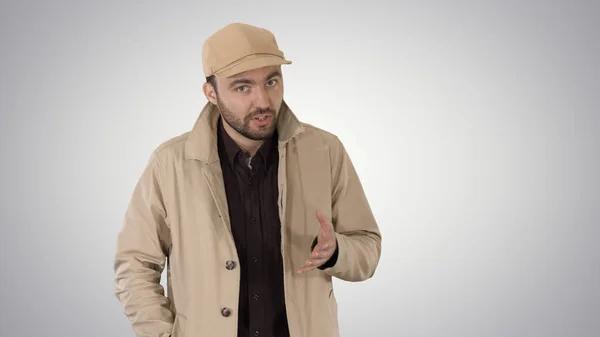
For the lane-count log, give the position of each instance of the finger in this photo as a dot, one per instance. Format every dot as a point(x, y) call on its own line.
point(305, 270)
point(315, 262)
point(323, 252)
point(326, 225)
point(318, 261)
point(321, 217)
point(306, 267)
point(325, 243)
point(325, 237)
point(325, 234)
point(321, 246)
point(311, 265)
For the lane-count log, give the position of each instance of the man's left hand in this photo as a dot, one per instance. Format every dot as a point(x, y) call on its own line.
point(326, 245)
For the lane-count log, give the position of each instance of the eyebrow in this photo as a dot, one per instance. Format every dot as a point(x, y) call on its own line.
point(248, 81)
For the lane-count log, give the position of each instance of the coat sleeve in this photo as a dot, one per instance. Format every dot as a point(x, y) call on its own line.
point(142, 245)
point(357, 233)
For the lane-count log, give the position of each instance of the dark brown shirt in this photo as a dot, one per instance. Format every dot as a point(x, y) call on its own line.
point(252, 200)
point(251, 188)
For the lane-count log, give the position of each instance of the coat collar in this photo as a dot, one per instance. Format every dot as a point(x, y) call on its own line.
point(202, 142)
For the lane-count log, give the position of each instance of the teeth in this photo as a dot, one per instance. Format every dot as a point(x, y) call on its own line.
point(261, 118)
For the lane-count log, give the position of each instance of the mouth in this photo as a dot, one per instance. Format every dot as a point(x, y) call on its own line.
point(262, 117)
point(262, 120)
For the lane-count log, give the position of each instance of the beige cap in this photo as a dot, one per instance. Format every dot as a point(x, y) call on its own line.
point(240, 47)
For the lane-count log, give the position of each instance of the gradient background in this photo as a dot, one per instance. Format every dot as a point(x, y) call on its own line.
point(475, 128)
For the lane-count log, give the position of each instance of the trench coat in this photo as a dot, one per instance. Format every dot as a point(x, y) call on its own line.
point(177, 218)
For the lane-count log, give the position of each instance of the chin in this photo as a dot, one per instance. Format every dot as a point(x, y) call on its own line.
point(262, 135)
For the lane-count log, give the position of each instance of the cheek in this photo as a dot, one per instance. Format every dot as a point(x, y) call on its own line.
point(276, 97)
point(238, 107)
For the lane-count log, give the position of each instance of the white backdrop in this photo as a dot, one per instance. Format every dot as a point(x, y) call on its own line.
point(474, 127)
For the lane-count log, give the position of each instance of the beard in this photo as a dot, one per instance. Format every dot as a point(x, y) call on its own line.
point(243, 126)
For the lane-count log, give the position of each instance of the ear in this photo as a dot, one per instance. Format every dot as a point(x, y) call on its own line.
point(210, 93)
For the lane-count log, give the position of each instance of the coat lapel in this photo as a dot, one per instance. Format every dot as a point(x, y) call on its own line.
point(214, 179)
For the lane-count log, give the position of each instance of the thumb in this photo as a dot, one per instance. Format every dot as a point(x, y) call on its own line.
point(325, 224)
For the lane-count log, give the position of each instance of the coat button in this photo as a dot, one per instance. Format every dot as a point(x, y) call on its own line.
point(226, 312)
point(230, 265)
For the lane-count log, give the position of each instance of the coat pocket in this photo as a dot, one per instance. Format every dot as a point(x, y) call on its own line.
point(179, 326)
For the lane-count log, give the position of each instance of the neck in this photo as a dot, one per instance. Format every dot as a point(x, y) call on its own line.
point(249, 146)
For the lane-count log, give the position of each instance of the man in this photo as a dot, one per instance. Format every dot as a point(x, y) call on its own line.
point(253, 210)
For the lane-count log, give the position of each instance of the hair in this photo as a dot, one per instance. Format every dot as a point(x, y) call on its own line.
point(213, 81)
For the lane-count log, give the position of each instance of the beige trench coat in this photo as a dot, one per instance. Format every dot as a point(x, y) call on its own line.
point(178, 219)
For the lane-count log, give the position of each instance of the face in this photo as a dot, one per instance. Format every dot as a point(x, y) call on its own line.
point(249, 102)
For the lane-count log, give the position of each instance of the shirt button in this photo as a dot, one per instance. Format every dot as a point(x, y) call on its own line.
point(256, 333)
point(226, 312)
point(255, 297)
point(230, 265)
point(254, 259)
point(252, 221)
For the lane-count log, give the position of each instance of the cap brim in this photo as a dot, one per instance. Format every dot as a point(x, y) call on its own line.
point(251, 63)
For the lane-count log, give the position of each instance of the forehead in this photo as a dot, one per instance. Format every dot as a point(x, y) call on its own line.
point(259, 74)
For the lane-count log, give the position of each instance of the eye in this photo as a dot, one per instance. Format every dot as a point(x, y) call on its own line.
point(271, 83)
point(241, 88)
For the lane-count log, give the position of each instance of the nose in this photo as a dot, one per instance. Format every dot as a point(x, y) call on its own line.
point(262, 99)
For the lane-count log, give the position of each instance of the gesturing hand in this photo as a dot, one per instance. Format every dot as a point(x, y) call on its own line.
point(326, 245)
